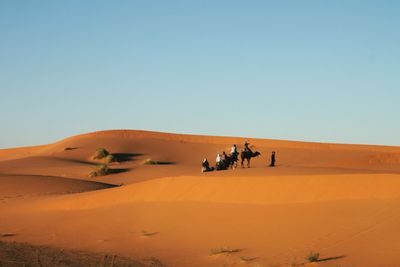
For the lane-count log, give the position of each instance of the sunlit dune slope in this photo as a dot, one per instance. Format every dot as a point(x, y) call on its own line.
point(72, 157)
point(245, 190)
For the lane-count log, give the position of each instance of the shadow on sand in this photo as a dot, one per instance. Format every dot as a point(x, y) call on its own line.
point(81, 161)
point(121, 170)
point(122, 157)
point(332, 258)
point(323, 259)
point(165, 163)
point(69, 148)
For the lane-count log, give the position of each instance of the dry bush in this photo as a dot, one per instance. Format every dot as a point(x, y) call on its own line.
point(23, 254)
point(101, 153)
point(103, 156)
point(99, 171)
point(312, 257)
point(150, 161)
point(110, 158)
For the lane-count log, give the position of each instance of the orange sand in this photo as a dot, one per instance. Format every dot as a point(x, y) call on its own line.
point(338, 200)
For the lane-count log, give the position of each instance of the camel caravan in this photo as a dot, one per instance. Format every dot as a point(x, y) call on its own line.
point(225, 162)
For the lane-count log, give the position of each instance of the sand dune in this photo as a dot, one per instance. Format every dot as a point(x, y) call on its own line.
point(28, 186)
point(339, 200)
point(257, 190)
point(11, 153)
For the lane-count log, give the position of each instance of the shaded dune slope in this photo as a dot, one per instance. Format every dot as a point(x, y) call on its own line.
point(20, 186)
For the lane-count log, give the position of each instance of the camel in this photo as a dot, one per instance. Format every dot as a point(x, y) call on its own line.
point(230, 162)
point(247, 155)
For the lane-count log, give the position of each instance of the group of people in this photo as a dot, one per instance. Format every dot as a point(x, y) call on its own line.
point(223, 161)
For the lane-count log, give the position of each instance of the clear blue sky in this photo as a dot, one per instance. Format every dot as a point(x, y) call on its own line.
point(299, 70)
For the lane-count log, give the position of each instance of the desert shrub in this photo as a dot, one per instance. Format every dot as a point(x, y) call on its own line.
point(99, 171)
point(23, 254)
point(110, 158)
point(104, 156)
point(154, 162)
point(101, 153)
point(150, 162)
point(313, 257)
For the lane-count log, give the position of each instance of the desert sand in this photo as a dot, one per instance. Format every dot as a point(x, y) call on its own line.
point(341, 201)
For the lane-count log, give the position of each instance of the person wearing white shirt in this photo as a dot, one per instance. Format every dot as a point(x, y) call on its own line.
point(218, 159)
point(234, 150)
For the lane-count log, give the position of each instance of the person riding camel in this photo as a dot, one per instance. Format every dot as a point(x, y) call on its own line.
point(234, 151)
point(206, 166)
point(218, 160)
point(224, 158)
point(247, 148)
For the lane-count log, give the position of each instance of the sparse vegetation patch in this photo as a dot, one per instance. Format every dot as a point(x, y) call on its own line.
point(154, 162)
point(101, 153)
point(110, 158)
point(23, 254)
point(150, 162)
point(100, 171)
point(312, 257)
point(154, 262)
point(103, 156)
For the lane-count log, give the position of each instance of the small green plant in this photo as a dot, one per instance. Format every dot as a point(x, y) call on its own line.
point(223, 250)
point(104, 156)
point(100, 171)
point(150, 162)
point(101, 153)
point(313, 257)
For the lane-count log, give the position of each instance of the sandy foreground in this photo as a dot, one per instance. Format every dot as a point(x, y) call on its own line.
point(341, 201)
